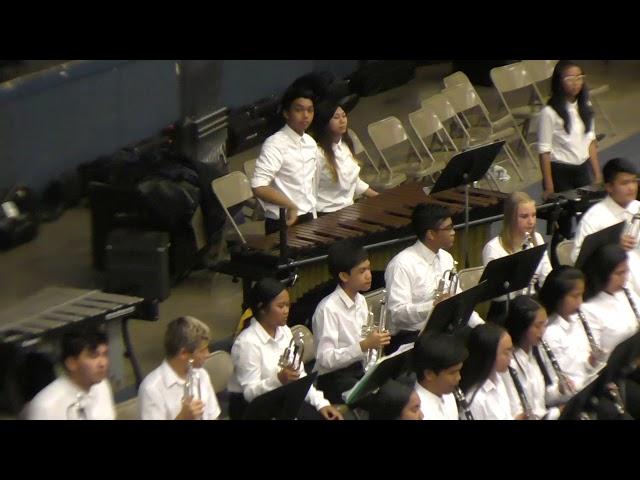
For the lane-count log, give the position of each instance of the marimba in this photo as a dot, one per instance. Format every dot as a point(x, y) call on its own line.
point(373, 221)
point(39, 320)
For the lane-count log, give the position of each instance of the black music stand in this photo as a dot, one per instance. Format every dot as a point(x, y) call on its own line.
point(513, 272)
point(453, 313)
point(463, 169)
point(389, 367)
point(283, 403)
point(598, 239)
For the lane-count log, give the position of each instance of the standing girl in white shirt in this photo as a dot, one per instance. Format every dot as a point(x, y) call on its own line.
point(490, 352)
point(257, 350)
point(338, 172)
point(568, 335)
point(518, 232)
point(610, 308)
point(566, 136)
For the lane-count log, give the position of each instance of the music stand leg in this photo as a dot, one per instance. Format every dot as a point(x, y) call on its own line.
point(465, 244)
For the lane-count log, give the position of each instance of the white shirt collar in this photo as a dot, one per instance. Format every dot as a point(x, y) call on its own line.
point(430, 395)
point(262, 333)
point(426, 252)
point(75, 389)
point(490, 385)
point(169, 376)
point(615, 208)
point(291, 133)
point(348, 303)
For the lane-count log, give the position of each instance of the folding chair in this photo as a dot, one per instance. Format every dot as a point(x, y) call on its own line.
point(563, 252)
point(257, 213)
point(220, 368)
point(469, 277)
point(379, 183)
point(388, 133)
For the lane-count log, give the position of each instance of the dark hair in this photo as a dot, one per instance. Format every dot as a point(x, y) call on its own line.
point(557, 286)
point(345, 255)
point(261, 295)
point(75, 340)
point(323, 114)
point(437, 353)
point(293, 92)
point(428, 216)
point(599, 267)
point(615, 166)
point(483, 349)
point(391, 399)
point(558, 100)
point(522, 314)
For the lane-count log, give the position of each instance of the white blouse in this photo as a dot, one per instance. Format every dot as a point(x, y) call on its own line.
point(491, 402)
point(335, 195)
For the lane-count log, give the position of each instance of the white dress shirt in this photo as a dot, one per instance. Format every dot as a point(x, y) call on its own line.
point(337, 328)
point(161, 392)
point(532, 380)
point(494, 249)
point(611, 318)
point(571, 148)
point(287, 162)
point(491, 402)
point(569, 343)
point(255, 356)
point(434, 407)
point(61, 398)
point(334, 195)
point(411, 280)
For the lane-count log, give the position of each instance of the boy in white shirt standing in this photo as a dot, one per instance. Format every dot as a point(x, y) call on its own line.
point(83, 392)
point(162, 392)
point(338, 320)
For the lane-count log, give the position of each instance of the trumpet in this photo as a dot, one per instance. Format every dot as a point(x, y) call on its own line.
point(448, 283)
point(292, 356)
point(526, 406)
point(563, 381)
point(633, 228)
point(596, 351)
point(375, 354)
point(462, 403)
point(192, 383)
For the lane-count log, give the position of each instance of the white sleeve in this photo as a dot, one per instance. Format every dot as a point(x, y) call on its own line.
point(267, 165)
point(211, 407)
point(405, 315)
point(247, 364)
point(491, 252)
point(326, 332)
point(545, 130)
point(361, 186)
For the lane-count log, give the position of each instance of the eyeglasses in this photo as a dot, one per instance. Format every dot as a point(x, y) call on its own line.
point(574, 78)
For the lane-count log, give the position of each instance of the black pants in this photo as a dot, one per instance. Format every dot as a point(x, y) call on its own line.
point(272, 226)
point(238, 406)
point(400, 338)
point(569, 177)
point(333, 384)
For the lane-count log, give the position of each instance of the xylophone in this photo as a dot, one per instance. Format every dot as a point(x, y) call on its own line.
point(373, 221)
point(39, 320)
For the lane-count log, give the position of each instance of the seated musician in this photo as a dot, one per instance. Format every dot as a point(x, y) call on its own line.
point(338, 172)
point(286, 168)
point(162, 393)
point(490, 351)
point(83, 391)
point(621, 184)
point(396, 401)
point(412, 276)
point(437, 361)
point(518, 232)
point(610, 308)
point(338, 322)
point(526, 324)
point(567, 334)
point(256, 354)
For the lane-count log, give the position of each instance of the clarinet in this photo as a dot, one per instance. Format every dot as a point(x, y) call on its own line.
point(462, 402)
point(563, 381)
point(596, 351)
point(523, 397)
point(632, 304)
